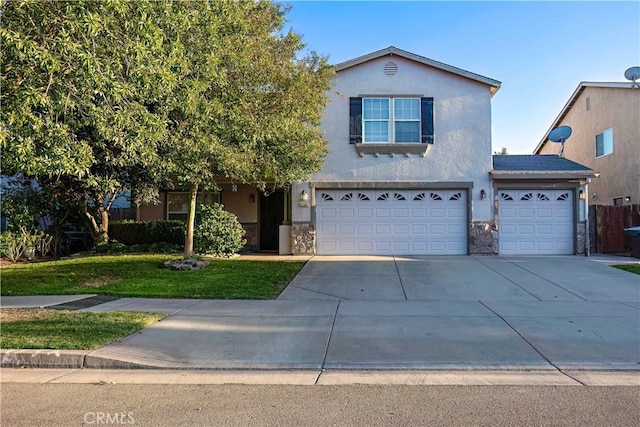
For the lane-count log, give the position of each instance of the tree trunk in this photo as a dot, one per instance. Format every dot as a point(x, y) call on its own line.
point(191, 219)
point(103, 235)
point(99, 231)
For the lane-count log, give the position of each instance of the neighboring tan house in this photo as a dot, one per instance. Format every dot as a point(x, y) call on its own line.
point(605, 120)
point(410, 171)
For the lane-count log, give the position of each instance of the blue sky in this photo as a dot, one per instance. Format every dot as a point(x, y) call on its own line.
point(539, 50)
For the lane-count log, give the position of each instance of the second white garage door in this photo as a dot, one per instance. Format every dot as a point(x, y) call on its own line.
point(536, 222)
point(386, 222)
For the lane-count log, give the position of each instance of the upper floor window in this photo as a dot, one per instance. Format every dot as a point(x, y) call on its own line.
point(604, 143)
point(391, 120)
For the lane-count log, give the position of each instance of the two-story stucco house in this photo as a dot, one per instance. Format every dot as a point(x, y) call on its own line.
point(605, 137)
point(410, 172)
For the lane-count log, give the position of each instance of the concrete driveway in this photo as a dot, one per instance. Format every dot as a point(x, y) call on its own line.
point(556, 314)
point(549, 313)
point(465, 278)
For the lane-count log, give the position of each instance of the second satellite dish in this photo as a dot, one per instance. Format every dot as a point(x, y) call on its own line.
point(560, 134)
point(633, 74)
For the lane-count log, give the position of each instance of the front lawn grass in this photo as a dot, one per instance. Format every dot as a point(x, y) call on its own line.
point(68, 330)
point(141, 276)
point(633, 268)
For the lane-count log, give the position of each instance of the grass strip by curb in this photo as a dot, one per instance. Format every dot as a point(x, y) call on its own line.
point(68, 330)
point(632, 268)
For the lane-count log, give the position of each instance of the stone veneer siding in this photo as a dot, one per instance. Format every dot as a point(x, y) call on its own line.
point(580, 236)
point(303, 239)
point(483, 238)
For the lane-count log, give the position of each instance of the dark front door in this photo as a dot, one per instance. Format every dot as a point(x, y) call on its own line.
point(271, 217)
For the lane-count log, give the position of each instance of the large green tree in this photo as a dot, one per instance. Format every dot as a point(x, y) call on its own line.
point(79, 85)
point(248, 103)
point(103, 97)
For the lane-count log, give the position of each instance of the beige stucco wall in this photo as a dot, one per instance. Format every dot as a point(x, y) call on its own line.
point(462, 122)
point(616, 108)
point(238, 203)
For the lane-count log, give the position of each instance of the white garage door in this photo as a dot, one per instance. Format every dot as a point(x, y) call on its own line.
point(401, 222)
point(536, 222)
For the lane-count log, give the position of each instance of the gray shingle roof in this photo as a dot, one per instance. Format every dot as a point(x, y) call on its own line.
point(538, 163)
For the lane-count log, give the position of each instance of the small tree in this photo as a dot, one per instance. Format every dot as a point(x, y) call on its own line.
point(246, 105)
point(218, 232)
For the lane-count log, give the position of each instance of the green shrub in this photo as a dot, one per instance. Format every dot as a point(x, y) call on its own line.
point(129, 232)
point(218, 232)
point(113, 247)
point(28, 244)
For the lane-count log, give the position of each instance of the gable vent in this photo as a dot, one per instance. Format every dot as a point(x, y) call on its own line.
point(390, 68)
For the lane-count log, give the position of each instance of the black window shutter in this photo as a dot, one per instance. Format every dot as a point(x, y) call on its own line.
point(426, 120)
point(355, 120)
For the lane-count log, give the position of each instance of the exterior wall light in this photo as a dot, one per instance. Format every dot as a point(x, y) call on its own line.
point(234, 188)
point(581, 194)
point(304, 199)
point(627, 199)
point(483, 194)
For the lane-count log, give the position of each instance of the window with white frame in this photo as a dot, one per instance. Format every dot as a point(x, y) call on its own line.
point(178, 203)
point(388, 120)
point(604, 143)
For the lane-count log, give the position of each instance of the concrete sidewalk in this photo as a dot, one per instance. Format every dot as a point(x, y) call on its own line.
point(41, 301)
point(325, 377)
point(376, 318)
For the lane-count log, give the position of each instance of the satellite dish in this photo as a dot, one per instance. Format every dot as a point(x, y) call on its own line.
point(560, 134)
point(633, 74)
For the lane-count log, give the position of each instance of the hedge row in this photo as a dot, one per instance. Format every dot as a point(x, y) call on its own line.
point(131, 232)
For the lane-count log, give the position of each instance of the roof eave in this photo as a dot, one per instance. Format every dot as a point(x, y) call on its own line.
point(535, 174)
point(391, 50)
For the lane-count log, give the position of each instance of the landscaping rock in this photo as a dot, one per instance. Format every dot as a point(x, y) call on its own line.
point(185, 264)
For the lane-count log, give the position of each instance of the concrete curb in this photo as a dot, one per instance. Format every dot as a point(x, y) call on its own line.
point(80, 366)
point(322, 378)
point(43, 358)
point(70, 359)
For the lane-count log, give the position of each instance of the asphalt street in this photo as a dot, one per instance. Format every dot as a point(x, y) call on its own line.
point(356, 405)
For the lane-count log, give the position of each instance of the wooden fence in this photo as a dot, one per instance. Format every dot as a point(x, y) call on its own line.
point(607, 227)
point(118, 214)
